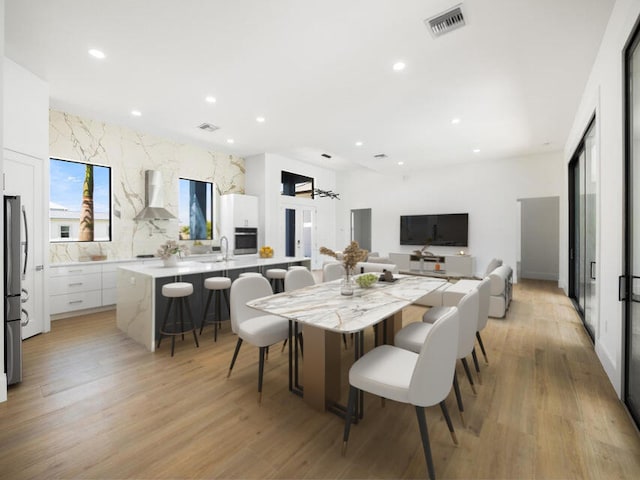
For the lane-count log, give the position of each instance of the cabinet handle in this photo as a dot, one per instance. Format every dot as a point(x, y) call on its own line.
point(75, 301)
point(75, 284)
point(74, 271)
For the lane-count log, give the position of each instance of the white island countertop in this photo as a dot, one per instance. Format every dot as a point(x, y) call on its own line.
point(156, 269)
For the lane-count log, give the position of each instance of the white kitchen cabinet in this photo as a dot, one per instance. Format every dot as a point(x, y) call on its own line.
point(238, 211)
point(81, 287)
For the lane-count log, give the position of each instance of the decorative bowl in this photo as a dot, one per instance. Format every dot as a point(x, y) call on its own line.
point(366, 280)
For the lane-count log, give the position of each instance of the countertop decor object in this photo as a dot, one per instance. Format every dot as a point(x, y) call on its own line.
point(171, 248)
point(266, 252)
point(350, 258)
point(366, 280)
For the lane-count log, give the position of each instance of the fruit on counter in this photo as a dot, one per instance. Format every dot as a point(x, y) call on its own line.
point(266, 251)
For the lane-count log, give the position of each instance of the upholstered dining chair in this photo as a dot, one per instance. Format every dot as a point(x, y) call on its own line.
point(251, 325)
point(413, 335)
point(484, 289)
point(293, 280)
point(332, 271)
point(421, 379)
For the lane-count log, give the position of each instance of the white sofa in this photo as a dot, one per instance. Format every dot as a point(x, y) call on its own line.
point(450, 294)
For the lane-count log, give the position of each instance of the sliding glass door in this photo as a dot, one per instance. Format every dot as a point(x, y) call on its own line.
point(630, 281)
point(583, 175)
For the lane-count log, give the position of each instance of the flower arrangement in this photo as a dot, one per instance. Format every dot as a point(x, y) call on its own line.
point(350, 256)
point(171, 247)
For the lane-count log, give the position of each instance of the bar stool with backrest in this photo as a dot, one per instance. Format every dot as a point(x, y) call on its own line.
point(177, 293)
point(217, 287)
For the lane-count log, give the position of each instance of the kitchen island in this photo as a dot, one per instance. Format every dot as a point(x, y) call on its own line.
point(140, 304)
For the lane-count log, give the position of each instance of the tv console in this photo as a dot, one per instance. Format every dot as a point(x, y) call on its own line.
point(449, 265)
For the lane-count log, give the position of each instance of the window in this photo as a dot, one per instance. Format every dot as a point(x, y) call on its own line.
point(79, 202)
point(195, 210)
point(295, 185)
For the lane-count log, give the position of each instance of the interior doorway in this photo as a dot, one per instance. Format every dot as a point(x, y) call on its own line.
point(300, 232)
point(539, 238)
point(361, 227)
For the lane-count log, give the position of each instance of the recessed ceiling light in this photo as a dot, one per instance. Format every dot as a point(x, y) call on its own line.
point(136, 113)
point(210, 99)
point(358, 144)
point(260, 119)
point(229, 140)
point(96, 53)
point(455, 121)
point(399, 66)
point(476, 150)
point(400, 163)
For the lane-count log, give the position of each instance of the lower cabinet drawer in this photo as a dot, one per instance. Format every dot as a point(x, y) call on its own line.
point(75, 301)
point(74, 284)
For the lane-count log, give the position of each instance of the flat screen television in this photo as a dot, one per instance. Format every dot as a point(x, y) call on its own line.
point(450, 230)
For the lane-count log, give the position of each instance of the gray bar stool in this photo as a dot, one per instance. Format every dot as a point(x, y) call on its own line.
point(178, 291)
point(276, 277)
point(216, 286)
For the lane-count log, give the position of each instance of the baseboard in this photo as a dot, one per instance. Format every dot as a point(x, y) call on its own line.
point(3, 387)
point(609, 367)
point(539, 275)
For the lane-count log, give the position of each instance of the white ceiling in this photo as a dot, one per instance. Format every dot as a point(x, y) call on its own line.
point(320, 72)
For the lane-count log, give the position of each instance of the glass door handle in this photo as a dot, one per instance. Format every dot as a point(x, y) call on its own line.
point(591, 274)
point(622, 288)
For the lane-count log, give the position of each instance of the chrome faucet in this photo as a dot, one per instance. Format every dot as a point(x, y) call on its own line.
point(225, 255)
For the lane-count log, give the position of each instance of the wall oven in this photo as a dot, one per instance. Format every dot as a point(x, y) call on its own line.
point(245, 240)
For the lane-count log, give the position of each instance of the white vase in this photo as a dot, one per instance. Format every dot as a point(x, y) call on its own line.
point(171, 261)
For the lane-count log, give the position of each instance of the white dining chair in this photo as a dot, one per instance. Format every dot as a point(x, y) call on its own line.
point(294, 280)
point(421, 379)
point(484, 289)
point(413, 335)
point(251, 325)
point(332, 271)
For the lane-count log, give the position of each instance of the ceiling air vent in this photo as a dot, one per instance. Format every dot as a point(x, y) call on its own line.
point(325, 155)
point(446, 22)
point(208, 127)
point(380, 155)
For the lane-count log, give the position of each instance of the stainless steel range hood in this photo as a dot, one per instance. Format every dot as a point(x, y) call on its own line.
point(154, 198)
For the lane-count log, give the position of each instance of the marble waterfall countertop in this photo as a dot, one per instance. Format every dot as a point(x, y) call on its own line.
point(156, 268)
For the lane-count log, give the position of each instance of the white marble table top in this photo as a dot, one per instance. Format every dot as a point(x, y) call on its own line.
point(323, 306)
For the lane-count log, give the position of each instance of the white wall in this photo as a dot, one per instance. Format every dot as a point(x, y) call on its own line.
point(487, 190)
point(604, 95)
point(263, 179)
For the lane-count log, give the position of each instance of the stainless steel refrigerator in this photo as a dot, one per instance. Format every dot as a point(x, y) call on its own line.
point(13, 255)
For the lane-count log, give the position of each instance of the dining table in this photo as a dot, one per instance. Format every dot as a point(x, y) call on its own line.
point(326, 316)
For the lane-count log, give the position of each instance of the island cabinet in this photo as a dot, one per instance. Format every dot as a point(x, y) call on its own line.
point(141, 307)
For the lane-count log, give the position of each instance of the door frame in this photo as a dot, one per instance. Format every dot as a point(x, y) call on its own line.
point(573, 163)
point(624, 291)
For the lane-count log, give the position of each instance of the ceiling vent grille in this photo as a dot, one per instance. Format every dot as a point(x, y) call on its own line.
point(208, 127)
point(446, 22)
point(325, 155)
point(380, 155)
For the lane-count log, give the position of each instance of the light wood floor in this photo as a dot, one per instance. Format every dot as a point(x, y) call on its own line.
point(94, 404)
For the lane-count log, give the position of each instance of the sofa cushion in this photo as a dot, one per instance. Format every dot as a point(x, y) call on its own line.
point(499, 277)
point(493, 264)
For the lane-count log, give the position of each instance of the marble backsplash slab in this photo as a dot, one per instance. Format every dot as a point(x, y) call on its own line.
point(129, 153)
